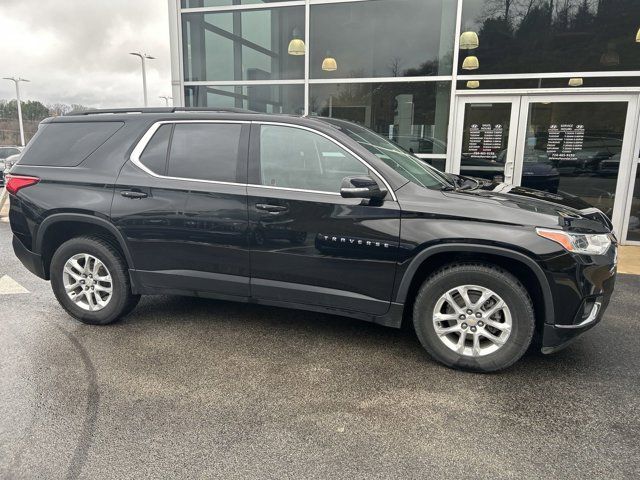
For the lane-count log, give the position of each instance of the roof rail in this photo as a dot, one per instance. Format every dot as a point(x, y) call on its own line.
point(99, 111)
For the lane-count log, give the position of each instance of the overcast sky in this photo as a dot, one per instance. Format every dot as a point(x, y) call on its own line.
point(77, 51)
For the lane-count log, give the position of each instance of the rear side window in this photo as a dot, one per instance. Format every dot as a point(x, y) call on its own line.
point(205, 151)
point(67, 144)
point(154, 156)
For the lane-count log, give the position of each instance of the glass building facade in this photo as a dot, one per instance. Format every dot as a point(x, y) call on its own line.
point(539, 93)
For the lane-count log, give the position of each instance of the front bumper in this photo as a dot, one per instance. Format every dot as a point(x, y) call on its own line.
point(556, 337)
point(31, 260)
point(582, 294)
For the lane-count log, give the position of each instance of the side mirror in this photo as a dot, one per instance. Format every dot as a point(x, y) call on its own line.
point(361, 187)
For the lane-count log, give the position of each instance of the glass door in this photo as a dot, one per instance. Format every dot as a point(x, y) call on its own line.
point(485, 137)
point(580, 145)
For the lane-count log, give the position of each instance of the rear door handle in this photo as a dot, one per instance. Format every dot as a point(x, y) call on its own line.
point(273, 209)
point(133, 194)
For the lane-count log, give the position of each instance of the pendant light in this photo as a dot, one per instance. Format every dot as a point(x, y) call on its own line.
point(575, 82)
point(296, 45)
point(638, 36)
point(471, 63)
point(469, 41)
point(473, 84)
point(329, 63)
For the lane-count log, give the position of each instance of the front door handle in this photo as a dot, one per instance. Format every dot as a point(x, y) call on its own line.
point(272, 209)
point(133, 194)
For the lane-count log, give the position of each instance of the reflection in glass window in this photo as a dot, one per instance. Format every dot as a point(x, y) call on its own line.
point(287, 99)
point(205, 151)
point(379, 38)
point(537, 36)
point(414, 115)
point(485, 137)
point(154, 156)
point(407, 165)
point(296, 158)
point(243, 44)
point(575, 148)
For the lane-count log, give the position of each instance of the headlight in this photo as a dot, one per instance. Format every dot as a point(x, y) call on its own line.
point(587, 244)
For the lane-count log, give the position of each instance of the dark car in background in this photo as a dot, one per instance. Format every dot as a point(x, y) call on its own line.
point(310, 213)
point(5, 153)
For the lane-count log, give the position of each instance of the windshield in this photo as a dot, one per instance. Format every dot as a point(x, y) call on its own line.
point(403, 162)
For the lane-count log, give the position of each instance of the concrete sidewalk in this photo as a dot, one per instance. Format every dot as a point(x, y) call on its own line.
point(629, 260)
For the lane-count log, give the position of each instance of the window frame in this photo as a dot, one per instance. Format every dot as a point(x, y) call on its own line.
point(146, 138)
point(166, 153)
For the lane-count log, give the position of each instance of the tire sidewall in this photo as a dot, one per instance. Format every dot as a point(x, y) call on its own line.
point(515, 297)
point(120, 287)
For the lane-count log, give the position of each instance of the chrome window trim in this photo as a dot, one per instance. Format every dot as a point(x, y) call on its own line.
point(303, 190)
point(142, 144)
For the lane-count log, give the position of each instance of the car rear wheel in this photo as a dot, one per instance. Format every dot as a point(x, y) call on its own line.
point(90, 279)
point(474, 317)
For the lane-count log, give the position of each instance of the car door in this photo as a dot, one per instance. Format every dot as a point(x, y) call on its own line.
point(182, 204)
point(309, 245)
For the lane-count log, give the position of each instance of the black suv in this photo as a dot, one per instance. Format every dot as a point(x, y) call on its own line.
point(312, 213)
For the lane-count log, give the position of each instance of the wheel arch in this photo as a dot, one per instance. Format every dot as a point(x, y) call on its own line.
point(519, 264)
point(59, 227)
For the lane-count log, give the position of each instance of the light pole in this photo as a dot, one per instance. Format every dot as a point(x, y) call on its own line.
point(166, 99)
point(17, 82)
point(143, 57)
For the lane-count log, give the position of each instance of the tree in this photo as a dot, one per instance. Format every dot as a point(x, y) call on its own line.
point(34, 110)
point(58, 109)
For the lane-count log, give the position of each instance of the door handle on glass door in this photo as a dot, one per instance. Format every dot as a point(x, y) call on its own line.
point(508, 169)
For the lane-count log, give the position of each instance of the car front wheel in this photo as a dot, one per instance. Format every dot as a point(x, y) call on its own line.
point(474, 317)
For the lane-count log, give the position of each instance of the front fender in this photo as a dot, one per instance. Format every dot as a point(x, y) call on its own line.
point(405, 282)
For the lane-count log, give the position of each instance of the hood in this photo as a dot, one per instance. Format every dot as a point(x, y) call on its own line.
point(562, 209)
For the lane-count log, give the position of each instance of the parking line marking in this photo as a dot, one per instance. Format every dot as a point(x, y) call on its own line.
point(8, 286)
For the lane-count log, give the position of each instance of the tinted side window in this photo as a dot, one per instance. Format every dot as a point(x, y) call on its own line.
point(205, 151)
point(67, 144)
point(295, 158)
point(154, 156)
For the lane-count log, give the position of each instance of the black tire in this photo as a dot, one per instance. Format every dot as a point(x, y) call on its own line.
point(494, 278)
point(122, 300)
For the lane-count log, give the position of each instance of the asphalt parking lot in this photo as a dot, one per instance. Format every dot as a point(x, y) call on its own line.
point(193, 388)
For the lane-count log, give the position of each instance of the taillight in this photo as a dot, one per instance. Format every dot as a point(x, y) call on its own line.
point(15, 183)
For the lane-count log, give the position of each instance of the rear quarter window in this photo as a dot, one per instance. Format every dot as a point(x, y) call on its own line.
point(67, 144)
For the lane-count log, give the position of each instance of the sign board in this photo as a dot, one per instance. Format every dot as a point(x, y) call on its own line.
point(485, 141)
point(564, 141)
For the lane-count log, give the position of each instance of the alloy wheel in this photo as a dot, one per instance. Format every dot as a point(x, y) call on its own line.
point(87, 282)
point(472, 320)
